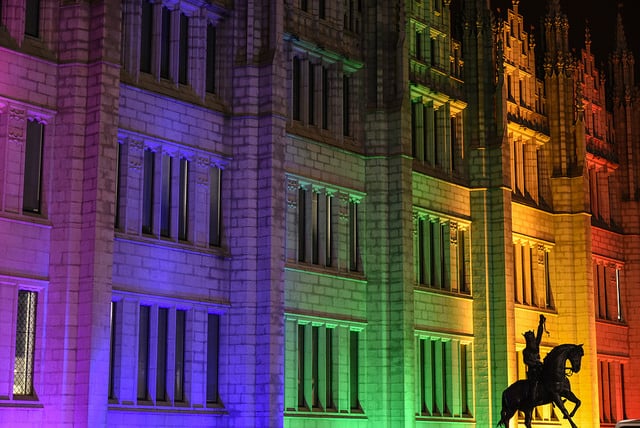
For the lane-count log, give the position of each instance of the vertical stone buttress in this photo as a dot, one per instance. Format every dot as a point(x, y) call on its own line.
point(390, 327)
point(626, 119)
point(572, 283)
point(82, 212)
point(485, 132)
point(258, 197)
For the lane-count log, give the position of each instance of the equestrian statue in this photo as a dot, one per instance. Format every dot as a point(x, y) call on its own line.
point(547, 381)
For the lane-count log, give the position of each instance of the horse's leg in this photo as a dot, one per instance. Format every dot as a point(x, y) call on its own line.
point(557, 400)
point(527, 417)
point(569, 395)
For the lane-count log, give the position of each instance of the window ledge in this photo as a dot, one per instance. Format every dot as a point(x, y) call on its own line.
point(172, 244)
point(28, 403)
point(177, 408)
point(326, 271)
point(324, 414)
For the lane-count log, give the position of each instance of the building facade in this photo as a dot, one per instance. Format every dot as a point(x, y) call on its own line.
point(310, 213)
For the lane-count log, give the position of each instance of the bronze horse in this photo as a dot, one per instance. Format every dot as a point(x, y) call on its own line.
point(553, 387)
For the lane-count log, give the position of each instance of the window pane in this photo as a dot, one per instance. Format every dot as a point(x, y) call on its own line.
point(329, 368)
point(119, 171)
point(184, 49)
point(353, 236)
point(33, 167)
point(212, 358)
point(147, 190)
point(296, 85)
point(112, 349)
point(25, 343)
point(180, 333)
point(145, 36)
point(215, 176)
point(302, 221)
point(165, 43)
point(346, 105)
point(354, 387)
point(32, 18)
point(183, 200)
point(143, 353)
point(301, 366)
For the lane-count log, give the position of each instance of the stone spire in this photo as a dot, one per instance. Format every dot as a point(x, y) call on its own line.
point(621, 40)
point(587, 36)
point(554, 8)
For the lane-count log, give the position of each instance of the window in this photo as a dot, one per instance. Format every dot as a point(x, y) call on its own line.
point(146, 28)
point(531, 274)
point(346, 105)
point(444, 377)
point(181, 316)
point(524, 166)
point(442, 254)
point(436, 134)
point(161, 355)
point(211, 59)
point(32, 18)
point(157, 194)
point(165, 43)
point(215, 202)
point(143, 354)
point(23, 370)
point(33, 167)
point(183, 200)
point(323, 372)
point(149, 160)
point(112, 349)
point(352, 15)
point(296, 89)
point(611, 391)
point(119, 182)
point(213, 322)
point(607, 280)
point(183, 50)
point(354, 370)
point(176, 350)
point(354, 237)
point(314, 226)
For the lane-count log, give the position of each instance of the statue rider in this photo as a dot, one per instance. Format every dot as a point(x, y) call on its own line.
point(531, 356)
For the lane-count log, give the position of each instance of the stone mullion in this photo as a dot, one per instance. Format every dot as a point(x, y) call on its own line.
point(291, 364)
point(455, 378)
point(127, 329)
point(171, 356)
point(291, 223)
point(195, 357)
point(174, 185)
point(131, 29)
point(174, 45)
point(343, 233)
point(201, 192)
point(14, 159)
point(341, 343)
point(132, 186)
point(196, 57)
point(416, 247)
point(322, 368)
point(156, 35)
point(453, 257)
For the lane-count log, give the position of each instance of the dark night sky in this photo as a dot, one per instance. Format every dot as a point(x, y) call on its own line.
point(602, 17)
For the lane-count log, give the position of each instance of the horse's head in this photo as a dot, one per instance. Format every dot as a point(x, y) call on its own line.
point(575, 357)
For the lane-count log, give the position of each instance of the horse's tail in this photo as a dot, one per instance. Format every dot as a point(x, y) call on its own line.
point(507, 412)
